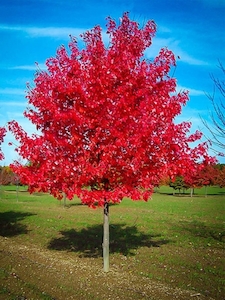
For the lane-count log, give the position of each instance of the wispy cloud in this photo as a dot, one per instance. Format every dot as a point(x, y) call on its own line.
point(38, 32)
point(192, 92)
point(13, 103)
point(15, 115)
point(193, 116)
point(12, 91)
point(185, 57)
point(54, 32)
point(173, 45)
point(65, 32)
point(35, 67)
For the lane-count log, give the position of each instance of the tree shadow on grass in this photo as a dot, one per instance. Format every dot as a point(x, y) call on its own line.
point(70, 203)
point(88, 241)
point(202, 230)
point(221, 193)
point(10, 223)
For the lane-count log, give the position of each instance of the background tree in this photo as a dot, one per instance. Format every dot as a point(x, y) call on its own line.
point(6, 175)
point(178, 183)
point(207, 176)
point(191, 179)
point(106, 121)
point(220, 179)
point(204, 174)
point(217, 128)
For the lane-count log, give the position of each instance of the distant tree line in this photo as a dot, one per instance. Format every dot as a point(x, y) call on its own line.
point(204, 176)
point(8, 177)
point(207, 175)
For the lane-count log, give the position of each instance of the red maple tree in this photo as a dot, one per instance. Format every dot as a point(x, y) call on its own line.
point(220, 180)
point(204, 174)
point(105, 117)
point(2, 135)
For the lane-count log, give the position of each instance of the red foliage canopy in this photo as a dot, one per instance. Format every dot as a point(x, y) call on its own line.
point(220, 180)
point(2, 134)
point(106, 117)
point(204, 174)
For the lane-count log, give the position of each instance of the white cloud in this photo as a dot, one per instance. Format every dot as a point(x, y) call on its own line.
point(12, 91)
point(13, 103)
point(34, 67)
point(9, 151)
point(54, 32)
point(173, 45)
point(12, 115)
point(192, 92)
point(194, 119)
point(65, 32)
point(185, 57)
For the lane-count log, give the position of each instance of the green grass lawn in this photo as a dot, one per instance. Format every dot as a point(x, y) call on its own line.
point(178, 240)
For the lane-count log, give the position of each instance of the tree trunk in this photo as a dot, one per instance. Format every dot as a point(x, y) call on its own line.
point(105, 244)
point(64, 200)
point(206, 191)
point(17, 192)
point(192, 190)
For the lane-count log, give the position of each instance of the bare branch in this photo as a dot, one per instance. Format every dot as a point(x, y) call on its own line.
point(217, 116)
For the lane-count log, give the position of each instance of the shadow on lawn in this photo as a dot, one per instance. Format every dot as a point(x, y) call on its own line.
point(202, 230)
point(88, 241)
point(10, 223)
point(221, 193)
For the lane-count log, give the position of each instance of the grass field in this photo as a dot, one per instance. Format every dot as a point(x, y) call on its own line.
point(173, 240)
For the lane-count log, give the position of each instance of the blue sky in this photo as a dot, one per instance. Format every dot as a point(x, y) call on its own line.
point(32, 30)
